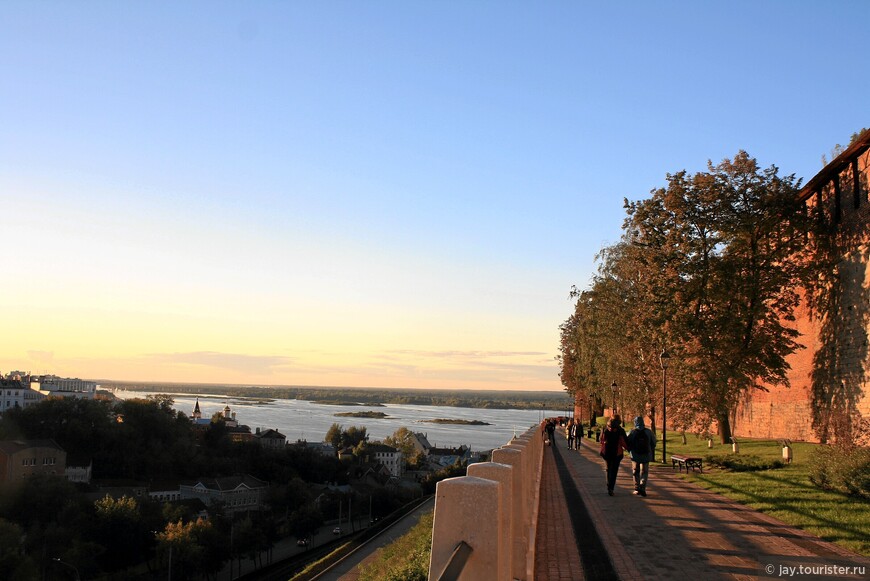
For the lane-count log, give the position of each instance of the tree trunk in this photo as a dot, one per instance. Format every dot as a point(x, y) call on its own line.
point(724, 427)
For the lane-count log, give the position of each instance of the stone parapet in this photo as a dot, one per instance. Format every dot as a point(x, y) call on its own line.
point(494, 511)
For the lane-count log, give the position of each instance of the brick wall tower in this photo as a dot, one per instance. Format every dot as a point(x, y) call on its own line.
point(829, 397)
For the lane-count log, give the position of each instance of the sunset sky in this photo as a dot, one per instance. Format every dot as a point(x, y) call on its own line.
point(395, 194)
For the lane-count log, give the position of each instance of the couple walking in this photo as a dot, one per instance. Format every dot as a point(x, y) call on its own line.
point(640, 444)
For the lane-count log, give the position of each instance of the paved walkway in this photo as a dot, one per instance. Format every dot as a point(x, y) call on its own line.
point(679, 531)
point(561, 560)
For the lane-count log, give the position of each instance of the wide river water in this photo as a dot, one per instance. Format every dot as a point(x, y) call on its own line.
point(303, 420)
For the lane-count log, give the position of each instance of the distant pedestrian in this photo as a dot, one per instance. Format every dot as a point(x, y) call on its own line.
point(551, 431)
point(641, 445)
point(613, 442)
point(578, 435)
point(569, 433)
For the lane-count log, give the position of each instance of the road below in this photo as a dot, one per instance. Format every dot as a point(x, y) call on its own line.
point(348, 569)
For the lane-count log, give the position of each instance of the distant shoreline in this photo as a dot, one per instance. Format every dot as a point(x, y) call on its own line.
point(339, 402)
point(457, 422)
point(357, 396)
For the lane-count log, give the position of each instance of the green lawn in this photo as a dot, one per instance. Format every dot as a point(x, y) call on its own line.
point(784, 493)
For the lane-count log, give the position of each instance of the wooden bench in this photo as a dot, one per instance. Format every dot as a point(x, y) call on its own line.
point(692, 462)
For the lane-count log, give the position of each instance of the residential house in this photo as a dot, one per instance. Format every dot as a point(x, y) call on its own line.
point(270, 439)
point(420, 441)
point(20, 459)
point(322, 448)
point(235, 493)
point(16, 393)
point(390, 457)
point(443, 457)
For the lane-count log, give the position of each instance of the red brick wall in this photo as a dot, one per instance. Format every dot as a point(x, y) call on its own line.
point(787, 412)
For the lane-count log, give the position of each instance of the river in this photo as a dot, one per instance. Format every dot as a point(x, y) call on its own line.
point(303, 420)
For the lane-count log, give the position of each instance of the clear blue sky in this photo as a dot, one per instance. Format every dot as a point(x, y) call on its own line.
point(369, 193)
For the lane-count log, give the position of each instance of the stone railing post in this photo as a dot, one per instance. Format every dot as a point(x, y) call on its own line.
point(503, 474)
point(536, 449)
point(467, 509)
point(519, 531)
point(494, 511)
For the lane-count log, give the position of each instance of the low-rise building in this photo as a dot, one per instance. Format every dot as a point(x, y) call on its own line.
point(420, 441)
point(79, 471)
point(17, 393)
point(271, 439)
point(235, 493)
point(390, 457)
point(118, 489)
point(164, 491)
point(54, 386)
point(443, 457)
point(322, 448)
point(20, 459)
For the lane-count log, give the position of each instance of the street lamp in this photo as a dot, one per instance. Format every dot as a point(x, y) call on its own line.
point(73, 567)
point(613, 388)
point(664, 358)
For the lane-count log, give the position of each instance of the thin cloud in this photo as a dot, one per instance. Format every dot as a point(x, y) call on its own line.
point(254, 364)
point(466, 354)
point(40, 356)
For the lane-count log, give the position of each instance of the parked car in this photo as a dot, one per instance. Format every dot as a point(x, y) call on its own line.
point(336, 531)
point(302, 543)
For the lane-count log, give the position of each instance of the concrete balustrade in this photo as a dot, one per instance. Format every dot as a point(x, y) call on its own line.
point(503, 474)
point(519, 531)
point(494, 509)
point(467, 509)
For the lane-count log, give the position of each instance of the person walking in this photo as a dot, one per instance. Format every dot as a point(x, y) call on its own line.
point(569, 433)
point(551, 431)
point(613, 442)
point(641, 447)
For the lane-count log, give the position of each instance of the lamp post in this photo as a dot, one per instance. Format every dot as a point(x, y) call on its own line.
point(664, 358)
point(613, 388)
point(73, 567)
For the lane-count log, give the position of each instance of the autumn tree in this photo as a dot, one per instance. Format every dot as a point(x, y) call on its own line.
point(403, 439)
point(119, 529)
point(724, 246)
point(195, 547)
point(333, 435)
point(708, 267)
point(349, 438)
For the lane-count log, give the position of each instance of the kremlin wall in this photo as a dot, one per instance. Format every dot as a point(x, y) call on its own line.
point(829, 377)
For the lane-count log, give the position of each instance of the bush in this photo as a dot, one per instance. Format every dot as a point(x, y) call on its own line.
point(842, 469)
point(743, 463)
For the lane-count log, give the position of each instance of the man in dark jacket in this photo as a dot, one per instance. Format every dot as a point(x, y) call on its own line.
point(641, 448)
point(612, 444)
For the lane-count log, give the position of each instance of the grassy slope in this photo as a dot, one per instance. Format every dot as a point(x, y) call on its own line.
point(406, 558)
point(785, 493)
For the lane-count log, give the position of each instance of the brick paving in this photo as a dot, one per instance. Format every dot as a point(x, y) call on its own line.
point(557, 557)
point(678, 531)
